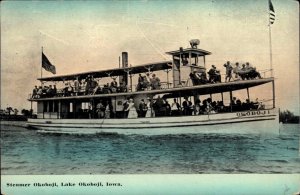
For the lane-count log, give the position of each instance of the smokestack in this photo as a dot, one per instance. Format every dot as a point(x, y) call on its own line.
point(124, 77)
point(124, 59)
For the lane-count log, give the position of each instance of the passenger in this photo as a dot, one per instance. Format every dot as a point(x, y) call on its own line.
point(88, 82)
point(49, 91)
point(76, 87)
point(97, 89)
point(252, 72)
point(100, 110)
point(218, 77)
point(131, 109)
point(40, 92)
point(233, 104)
point(175, 108)
point(123, 87)
point(155, 82)
point(108, 109)
point(185, 61)
point(255, 104)
point(214, 75)
point(147, 81)
point(44, 91)
point(239, 105)
point(261, 106)
point(202, 76)
point(168, 108)
point(149, 112)
point(65, 90)
point(139, 86)
point(159, 107)
point(197, 107)
point(220, 106)
point(125, 107)
point(142, 108)
point(54, 90)
point(209, 108)
point(93, 86)
point(106, 89)
point(246, 105)
point(70, 89)
point(194, 78)
point(214, 107)
point(187, 106)
point(228, 71)
point(34, 92)
point(236, 70)
point(114, 86)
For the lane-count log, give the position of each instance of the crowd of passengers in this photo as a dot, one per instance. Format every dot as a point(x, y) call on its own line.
point(90, 86)
point(161, 107)
point(246, 72)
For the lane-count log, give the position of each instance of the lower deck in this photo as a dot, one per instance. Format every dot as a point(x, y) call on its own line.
point(252, 121)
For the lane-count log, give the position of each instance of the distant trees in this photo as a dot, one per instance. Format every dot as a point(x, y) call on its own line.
point(288, 117)
point(9, 110)
point(11, 114)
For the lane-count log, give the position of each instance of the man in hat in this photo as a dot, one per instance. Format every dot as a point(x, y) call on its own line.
point(114, 86)
point(155, 82)
point(212, 74)
point(228, 71)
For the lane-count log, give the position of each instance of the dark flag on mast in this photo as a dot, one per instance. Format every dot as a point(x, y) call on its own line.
point(272, 12)
point(46, 64)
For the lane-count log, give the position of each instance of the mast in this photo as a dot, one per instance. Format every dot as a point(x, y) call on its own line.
point(270, 45)
point(271, 16)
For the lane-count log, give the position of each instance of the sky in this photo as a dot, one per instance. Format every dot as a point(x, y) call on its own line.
point(80, 36)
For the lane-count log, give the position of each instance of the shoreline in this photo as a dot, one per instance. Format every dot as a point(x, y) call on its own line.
point(13, 123)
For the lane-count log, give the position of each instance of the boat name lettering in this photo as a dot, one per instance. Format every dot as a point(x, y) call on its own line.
point(253, 113)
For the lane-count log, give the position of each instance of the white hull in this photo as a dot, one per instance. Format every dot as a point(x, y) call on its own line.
point(263, 121)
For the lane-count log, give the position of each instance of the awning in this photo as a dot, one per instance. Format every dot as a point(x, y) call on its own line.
point(113, 72)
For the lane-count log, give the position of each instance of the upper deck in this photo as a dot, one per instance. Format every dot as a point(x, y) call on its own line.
point(175, 92)
point(157, 66)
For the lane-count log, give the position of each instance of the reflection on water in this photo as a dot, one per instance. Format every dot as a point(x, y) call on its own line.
point(28, 152)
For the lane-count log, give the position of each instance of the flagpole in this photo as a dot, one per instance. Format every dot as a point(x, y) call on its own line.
point(270, 42)
point(42, 66)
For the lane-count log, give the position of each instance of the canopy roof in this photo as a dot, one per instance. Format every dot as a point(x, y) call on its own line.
point(113, 72)
point(180, 91)
point(194, 51)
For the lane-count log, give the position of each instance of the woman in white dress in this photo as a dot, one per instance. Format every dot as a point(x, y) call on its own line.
point(131, 108)
point(149, 109)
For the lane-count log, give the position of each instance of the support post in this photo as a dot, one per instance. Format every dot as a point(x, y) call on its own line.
point(273, 90)
point(248, 94)
point(230, 101)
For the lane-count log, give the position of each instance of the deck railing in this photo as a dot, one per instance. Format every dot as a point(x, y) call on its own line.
point(266, 73)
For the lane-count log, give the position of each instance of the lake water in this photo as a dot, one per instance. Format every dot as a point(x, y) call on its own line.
point(25, 152)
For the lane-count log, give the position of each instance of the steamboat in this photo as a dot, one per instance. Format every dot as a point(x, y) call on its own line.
point(177, 105)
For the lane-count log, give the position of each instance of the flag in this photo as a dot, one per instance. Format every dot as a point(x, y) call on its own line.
point(272, 12)
point(46, 64)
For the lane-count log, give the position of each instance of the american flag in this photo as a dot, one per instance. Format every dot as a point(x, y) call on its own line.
point(272, 12)
point(46, 64)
